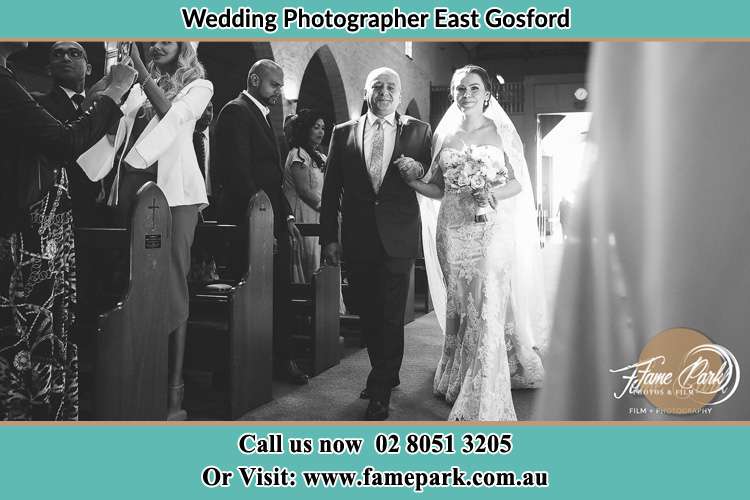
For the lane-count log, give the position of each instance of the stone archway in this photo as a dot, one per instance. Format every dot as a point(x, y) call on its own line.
point(227, 64)
point(413, 109)
point(323, 88)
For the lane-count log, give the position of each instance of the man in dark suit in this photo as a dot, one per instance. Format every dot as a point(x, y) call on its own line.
point(368, 162)
point(246, 159)
point(68, 66)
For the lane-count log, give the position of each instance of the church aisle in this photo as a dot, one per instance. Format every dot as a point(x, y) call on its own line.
point(334, 394)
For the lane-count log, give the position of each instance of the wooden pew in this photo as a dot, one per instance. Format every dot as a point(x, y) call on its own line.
point(318, 305)
point(123, 334)
point(230, 330)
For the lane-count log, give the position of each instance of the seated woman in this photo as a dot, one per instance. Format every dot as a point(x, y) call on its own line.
point(154, 142)
point(303, 186)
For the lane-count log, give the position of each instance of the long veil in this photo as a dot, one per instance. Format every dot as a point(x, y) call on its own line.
point(527, 277)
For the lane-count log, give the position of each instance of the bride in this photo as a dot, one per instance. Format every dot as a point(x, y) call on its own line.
point(489, 297)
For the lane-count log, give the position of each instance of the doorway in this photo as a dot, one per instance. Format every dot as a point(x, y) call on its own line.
point(560, 148)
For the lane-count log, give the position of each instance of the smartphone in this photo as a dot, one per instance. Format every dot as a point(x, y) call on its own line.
point(123, 51)
point(115, 52)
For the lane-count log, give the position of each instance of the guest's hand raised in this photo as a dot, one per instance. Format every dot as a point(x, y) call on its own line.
point(138, 64)
point(122, 78)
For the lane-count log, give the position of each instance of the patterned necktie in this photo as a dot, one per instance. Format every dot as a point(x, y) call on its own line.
point(78, 101)
point(376, 155)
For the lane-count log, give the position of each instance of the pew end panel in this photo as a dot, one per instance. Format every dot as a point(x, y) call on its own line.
point(231, 325)
point(128, 342)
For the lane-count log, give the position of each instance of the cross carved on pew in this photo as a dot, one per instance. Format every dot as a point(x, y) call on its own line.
point(154, 207)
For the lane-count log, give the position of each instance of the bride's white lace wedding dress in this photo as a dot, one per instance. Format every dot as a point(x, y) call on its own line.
point(483, 356)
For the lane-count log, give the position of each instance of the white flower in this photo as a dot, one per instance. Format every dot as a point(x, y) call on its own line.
point(478, 182)
point(451, 157)
point(462, 180)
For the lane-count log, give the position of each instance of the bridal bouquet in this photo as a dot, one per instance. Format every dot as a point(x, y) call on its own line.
point(474, 167)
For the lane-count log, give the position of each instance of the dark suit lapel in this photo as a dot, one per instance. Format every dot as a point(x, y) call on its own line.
point(359, 139)
point(264, 124)
point(359, 145)
point(67, 110)
point(397, 142)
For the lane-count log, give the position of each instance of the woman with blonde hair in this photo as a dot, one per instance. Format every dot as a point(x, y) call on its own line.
point(153, 142)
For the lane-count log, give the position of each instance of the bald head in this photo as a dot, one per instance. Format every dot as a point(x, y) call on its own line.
point(262, 67)
point(381, 71)
point(383, 91)
point(265, 81)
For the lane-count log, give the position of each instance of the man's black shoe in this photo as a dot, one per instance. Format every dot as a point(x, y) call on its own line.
point(288, 371)
point(365, 394)
point(376, 410)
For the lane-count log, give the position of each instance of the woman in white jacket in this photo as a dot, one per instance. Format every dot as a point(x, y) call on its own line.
point(153, 142)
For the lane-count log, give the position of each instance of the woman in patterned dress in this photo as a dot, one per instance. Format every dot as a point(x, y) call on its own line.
point(38, 363)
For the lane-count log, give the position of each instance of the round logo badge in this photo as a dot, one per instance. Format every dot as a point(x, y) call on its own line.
point(683, 371)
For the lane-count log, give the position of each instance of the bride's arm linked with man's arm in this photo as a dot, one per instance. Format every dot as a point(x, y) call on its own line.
point(434, 188)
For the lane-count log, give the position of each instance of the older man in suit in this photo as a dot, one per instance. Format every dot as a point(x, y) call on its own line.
point(246, 159)
point(68, 66)
point(368, 162)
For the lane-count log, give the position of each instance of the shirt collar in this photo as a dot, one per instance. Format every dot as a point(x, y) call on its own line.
point(263, 109)
point(71, 93)
point(390, 119)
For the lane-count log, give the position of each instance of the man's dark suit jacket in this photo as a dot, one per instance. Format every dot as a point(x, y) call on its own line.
point(246, 159)
point(389, 218)
point(83, 192)
point(27, 129)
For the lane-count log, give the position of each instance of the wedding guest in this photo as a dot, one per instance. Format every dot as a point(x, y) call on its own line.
point(38, 364)
point(155, 143)
point(68, 66)
point(201, 144)
point(303, 186)
point(247, 160)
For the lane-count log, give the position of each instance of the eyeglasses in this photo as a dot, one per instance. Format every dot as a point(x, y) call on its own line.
point(73, 53)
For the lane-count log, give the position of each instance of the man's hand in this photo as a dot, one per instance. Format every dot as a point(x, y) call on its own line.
point(409, 168)
point(481, 197)
point(332, 254)
point(295, 237)
point(122, 78)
